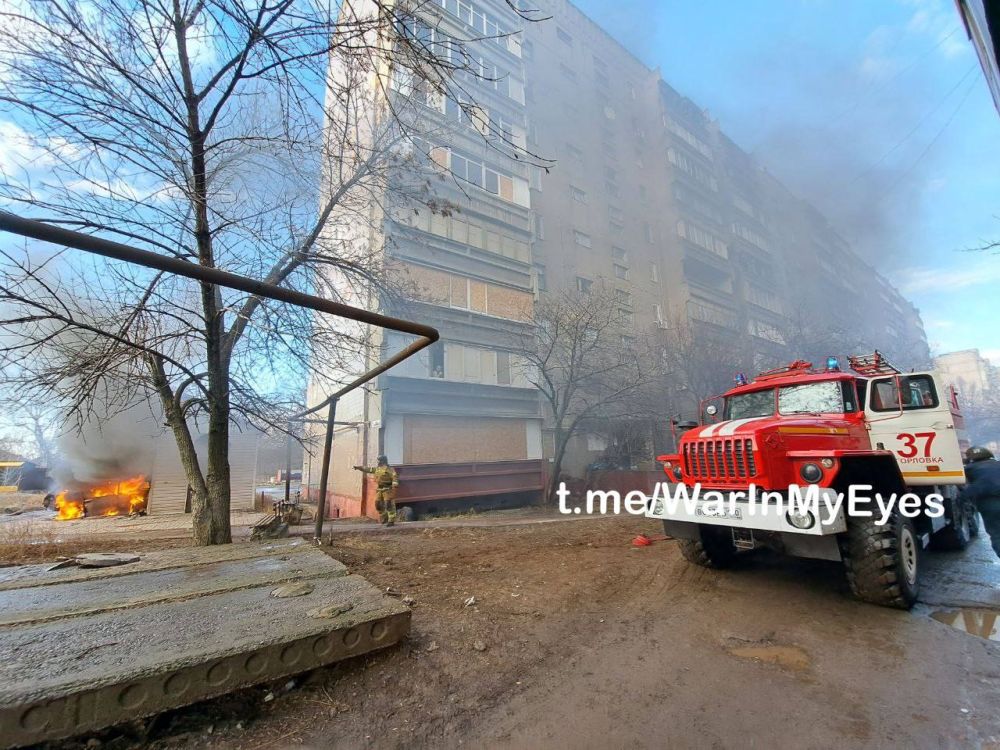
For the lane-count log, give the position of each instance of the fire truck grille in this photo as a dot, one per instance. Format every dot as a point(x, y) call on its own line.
point(726, 460)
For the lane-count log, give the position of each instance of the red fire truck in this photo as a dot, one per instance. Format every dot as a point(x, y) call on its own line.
point(818, 433)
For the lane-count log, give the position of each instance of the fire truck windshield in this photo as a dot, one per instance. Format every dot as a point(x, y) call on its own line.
point(810, 398)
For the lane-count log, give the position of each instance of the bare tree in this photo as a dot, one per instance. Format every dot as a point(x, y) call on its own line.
point(584, 363)
point(263, 138)
point(700, 362)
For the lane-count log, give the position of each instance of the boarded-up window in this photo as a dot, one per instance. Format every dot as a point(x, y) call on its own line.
point(459, 292)
point(509, 303)
point(432, 286)
point(506, 188)
point(430, 440)
point(439, 156)
point(477, 296)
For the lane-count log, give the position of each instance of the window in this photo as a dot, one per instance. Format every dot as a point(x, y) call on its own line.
point(658, 313)
point(687, 165)
point(583, 285)
point(574, 152)
point(750, 236)
point(619, 253)
point(763, 298)
point(564, 37)
point(527, 50)
point(687, 136)
point(578, 195)
point(601, 79)
point(623, 297)
point(647, 232)
point(436, 363)
point(702, 238)
point(503, 368)
point(567, 72)
point(538, 226)
point(654, 273)
point(814, 398)
point(621, 272)
point(628, 317)
point(615, 214)
point(540, 281)
point(581, 239)
point(918, 393)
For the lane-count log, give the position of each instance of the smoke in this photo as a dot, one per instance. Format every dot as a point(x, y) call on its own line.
point(855, 140)
point(108, 447)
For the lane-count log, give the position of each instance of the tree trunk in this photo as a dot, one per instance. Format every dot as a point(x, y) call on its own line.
point(561, 441)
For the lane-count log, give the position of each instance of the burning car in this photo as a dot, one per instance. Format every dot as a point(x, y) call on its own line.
point(111, 498)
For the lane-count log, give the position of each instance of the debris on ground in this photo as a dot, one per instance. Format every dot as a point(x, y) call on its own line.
point(479, 645)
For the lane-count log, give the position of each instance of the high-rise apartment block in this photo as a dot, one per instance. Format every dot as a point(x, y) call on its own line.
point(646, 195)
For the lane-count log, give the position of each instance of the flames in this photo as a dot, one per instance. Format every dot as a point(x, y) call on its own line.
point(117, 497)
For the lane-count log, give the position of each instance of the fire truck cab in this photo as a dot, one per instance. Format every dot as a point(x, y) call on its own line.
point(875, 453)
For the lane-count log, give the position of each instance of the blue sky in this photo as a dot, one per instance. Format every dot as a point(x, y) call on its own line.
point(875, 111)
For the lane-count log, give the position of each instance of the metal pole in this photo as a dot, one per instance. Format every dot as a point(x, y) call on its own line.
point(288, 466)
point(324, 473)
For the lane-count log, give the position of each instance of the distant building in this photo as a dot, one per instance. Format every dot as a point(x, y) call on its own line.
point(968, 371)
point(647, 196)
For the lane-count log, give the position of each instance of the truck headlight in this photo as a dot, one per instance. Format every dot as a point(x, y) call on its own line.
point(811, 473)
point(801, 520)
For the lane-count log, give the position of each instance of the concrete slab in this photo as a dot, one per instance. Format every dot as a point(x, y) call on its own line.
point(75, 658)
point(39, 575)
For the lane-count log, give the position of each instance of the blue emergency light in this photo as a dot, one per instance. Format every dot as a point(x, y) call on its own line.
point(741, 379)
point(832, 364)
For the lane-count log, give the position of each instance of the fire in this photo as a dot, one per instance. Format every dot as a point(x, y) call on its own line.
point(108, 499)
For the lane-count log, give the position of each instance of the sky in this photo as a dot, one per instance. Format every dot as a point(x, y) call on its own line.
point(876, 112)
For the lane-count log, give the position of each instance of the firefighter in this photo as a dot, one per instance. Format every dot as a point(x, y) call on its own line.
point(983, 474)
point(386, 482)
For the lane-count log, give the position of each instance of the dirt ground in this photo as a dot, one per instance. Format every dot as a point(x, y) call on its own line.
point(578, 639)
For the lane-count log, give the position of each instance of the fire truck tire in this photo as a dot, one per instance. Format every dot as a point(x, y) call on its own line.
point(406, 513)
point(714, 550)
point(957, 534)
point(883, 562)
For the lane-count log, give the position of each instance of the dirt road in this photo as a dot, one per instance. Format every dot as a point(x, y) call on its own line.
point(577, 639)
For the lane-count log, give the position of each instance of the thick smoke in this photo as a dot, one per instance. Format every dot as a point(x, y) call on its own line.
point(107, 448)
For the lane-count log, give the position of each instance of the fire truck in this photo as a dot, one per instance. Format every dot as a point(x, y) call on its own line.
point(818, 432)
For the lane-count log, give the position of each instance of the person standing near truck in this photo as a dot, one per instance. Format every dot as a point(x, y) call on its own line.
point(982, 473)
point(386, 482)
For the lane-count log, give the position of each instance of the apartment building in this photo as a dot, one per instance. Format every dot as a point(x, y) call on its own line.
point(646, 195)
point(969, 371)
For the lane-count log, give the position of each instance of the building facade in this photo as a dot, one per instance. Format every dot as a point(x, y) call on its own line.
point(645, 195)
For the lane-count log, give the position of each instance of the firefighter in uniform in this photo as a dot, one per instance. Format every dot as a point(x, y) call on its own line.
point(386, 482)
point(982, 473)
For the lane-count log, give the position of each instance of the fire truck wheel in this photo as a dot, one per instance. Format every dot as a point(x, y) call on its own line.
point(882, 562)
point(406, 513)
point(957, 534)
point(714, 550)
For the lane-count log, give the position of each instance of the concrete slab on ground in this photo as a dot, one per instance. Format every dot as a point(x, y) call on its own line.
point(85, 649)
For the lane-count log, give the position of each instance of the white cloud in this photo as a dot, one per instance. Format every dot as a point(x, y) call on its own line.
point(982, 272)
